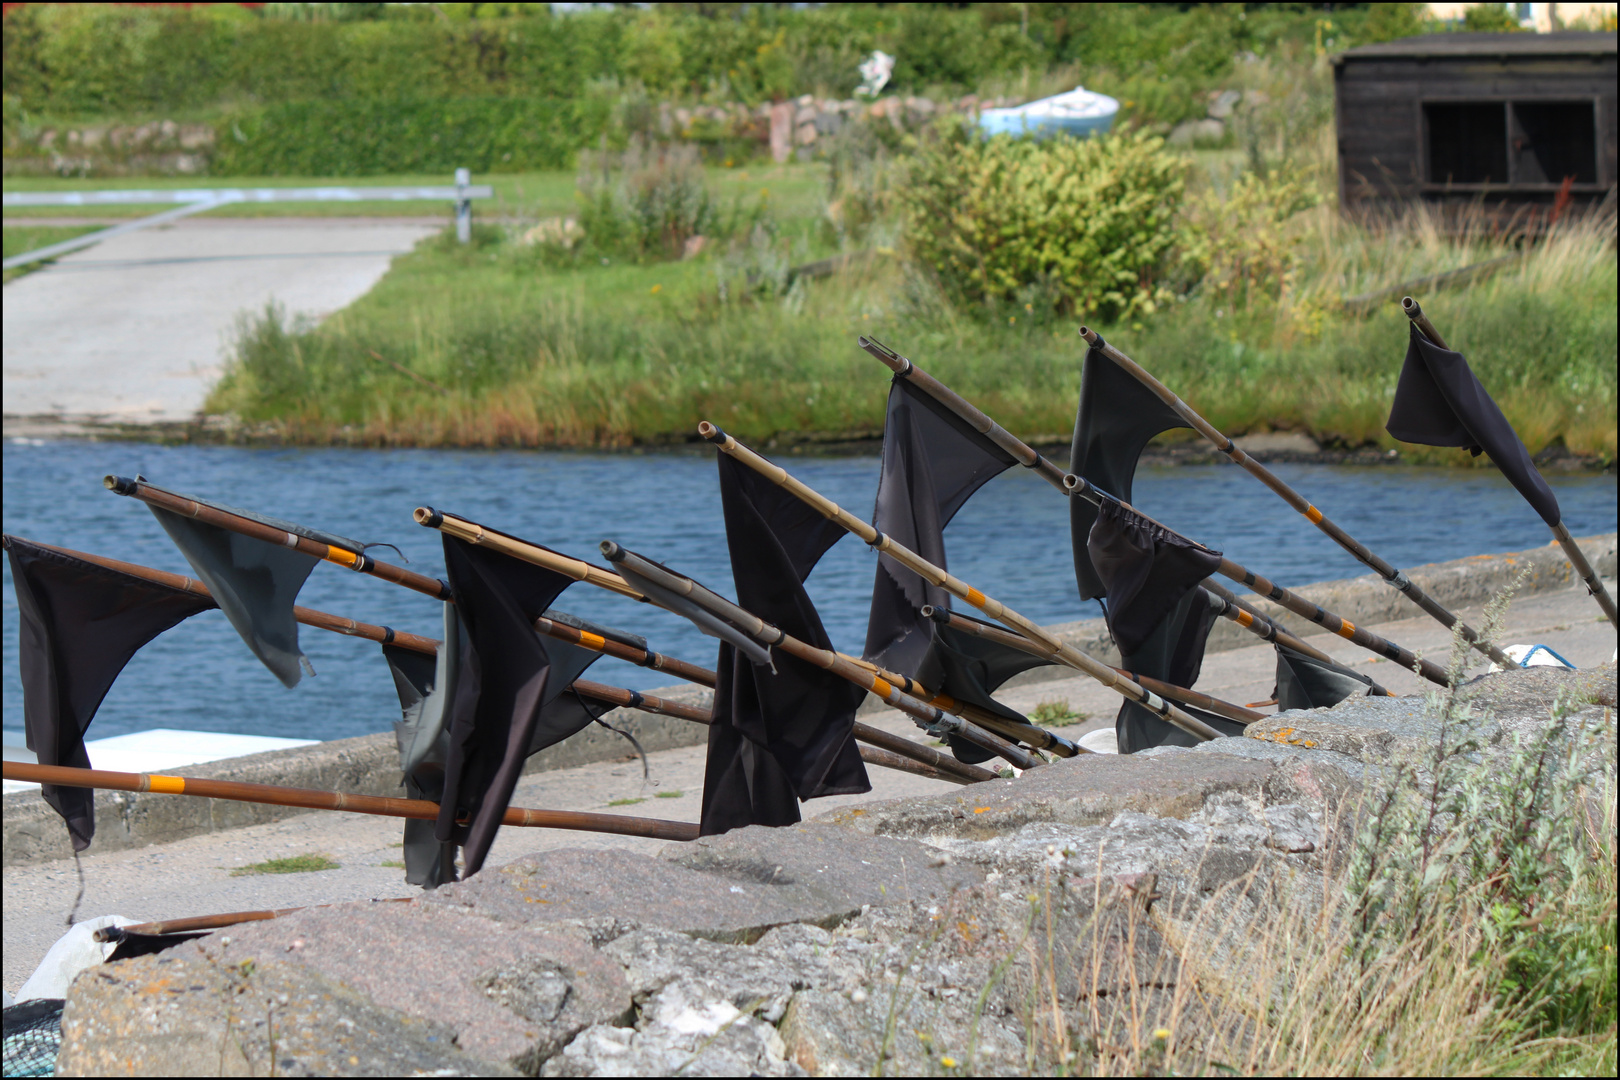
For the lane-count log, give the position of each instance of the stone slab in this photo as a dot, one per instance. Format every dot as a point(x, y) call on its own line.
point(509, 993)
point(726, 888)
point(189, 1015)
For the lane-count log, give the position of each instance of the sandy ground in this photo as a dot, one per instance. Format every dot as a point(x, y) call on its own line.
point(193, 877)
point(133, 330)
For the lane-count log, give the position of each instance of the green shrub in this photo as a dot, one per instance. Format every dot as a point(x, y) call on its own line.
point(1087, 220)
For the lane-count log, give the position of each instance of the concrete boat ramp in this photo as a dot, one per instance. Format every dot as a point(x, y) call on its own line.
point(135, 329)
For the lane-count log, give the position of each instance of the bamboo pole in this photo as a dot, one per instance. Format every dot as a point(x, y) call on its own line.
point(1179, 694)
point(1572, 550)
point(1397, 578)
point(1234, 609)
point(607, 579)
point(1246, 615)
point(862, 675)
point(1302, 607)
point(386, 635)
point(624, 651)
point(614, 583)
point(258, 530)
point(305, 798)
point(960, 589)
point(192, 924)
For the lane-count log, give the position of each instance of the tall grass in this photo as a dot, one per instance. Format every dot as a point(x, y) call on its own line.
point(1463, 924)
point(507, 350)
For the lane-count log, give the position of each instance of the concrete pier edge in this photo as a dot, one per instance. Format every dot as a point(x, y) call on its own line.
point(369, 764)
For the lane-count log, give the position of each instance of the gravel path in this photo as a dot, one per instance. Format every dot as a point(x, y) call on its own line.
point(133, 330)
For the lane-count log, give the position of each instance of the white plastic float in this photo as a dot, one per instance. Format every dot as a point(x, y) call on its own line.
point(1080, 113)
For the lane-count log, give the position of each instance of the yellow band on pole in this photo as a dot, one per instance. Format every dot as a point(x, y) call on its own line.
point(1348, 629)
point(341, 555)
point(166, 785)
point(881, 688)
point(1313, 515)
point(594, 642)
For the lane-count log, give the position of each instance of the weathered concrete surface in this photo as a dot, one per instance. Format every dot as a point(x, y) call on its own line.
point(1088, 902)
point(367, 765)
point(133, 329)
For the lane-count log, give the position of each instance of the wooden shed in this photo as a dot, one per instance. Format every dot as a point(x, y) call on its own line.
point(1502, 121)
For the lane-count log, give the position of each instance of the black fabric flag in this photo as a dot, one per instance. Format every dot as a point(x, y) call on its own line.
point(508, 677)
point(1440, 402)
point(1172, 653)
point(425, 686)
point(1145, 569)
point(784, 735)
point(970, 668)
point(933, 461)
point(78, 624)
point(255, 583)
point(1306, 683)
point(1117, 418)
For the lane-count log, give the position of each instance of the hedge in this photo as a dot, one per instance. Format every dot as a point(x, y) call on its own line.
point(366, 138)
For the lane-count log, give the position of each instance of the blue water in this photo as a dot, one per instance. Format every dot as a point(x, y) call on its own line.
point(1011, 541)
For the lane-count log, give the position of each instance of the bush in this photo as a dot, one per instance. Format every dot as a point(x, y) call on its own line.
point(1089, 221)
point(649, 200)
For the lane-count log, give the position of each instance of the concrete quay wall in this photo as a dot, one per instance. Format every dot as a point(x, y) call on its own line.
point(370, 764)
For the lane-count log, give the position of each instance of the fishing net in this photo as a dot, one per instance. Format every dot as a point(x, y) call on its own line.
point(33, 1035)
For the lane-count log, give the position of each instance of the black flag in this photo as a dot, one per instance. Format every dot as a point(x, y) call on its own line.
point(508, 677)
point(970, 668)
point(1117, 418)
point(1440, 402)
point(1307, 683)
point(784, 735)
point(426, 685)
point(78, 625)
point(933, 461)
point(255, 583)
point(1172, 653)
point(1145, 569)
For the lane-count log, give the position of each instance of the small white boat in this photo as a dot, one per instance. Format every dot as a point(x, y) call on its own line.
point(1080, 113)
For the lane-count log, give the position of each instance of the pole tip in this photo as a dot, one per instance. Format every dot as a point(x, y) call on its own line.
point(710, 432)
point(118, 485)
point(1410, 306)
point(427, 516)
point(1071, 482)
point(1089, 334)
point(939, 615)
point(611, 551)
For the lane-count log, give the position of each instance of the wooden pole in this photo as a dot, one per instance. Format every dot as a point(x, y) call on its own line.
point(1234, 610)
point(1300, 606)
point(958, 588)
point(1245, 614)
point(386, 635)
point(258, 530)
point(1179, 694)
point(194, 923)
point(305, 798)
point(1362, 553)
point(862, 675)
point(1572, 550)
point(607, 579)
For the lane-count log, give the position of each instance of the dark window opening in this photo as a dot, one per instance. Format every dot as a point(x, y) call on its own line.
point(1554, 140)
point(1468, 143)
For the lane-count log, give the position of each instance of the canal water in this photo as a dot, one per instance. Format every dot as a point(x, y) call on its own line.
point(1011, 540)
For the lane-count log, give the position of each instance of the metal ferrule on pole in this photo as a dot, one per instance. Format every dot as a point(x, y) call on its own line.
point(929, 572)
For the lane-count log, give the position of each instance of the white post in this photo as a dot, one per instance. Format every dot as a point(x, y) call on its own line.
point(463, 206)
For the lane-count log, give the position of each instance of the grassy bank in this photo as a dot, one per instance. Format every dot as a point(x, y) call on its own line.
point(495, 345)
point(24, 238)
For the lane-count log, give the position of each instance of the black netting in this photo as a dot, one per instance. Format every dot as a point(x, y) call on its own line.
point(33, 1035)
